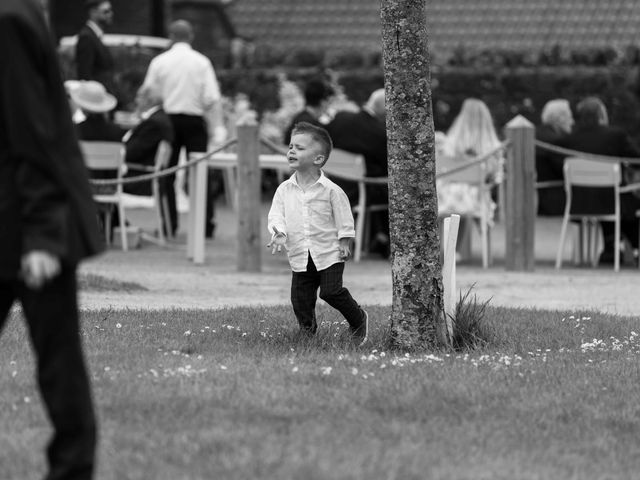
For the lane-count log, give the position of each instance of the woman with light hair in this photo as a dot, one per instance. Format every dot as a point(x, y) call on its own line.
point(471, 135)
point(557, 123)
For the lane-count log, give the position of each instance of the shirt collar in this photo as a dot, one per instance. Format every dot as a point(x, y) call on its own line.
point(147, 113)
point(322, 180)
point(181, 45)
point(96, 28)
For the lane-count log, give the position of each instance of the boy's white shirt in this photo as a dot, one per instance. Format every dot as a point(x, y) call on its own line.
point(313, 220)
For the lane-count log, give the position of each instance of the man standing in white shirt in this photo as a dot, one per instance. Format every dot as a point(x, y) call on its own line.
point(191, 97)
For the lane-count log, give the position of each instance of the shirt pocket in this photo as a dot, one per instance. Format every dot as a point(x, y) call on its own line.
point(320, 209)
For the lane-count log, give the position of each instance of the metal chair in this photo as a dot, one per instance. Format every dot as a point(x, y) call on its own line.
point(351, 166)
point(597, 177)
point(156, 201)
point(108, 157)
point(452, 169)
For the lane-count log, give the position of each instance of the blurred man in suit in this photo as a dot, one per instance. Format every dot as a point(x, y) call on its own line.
point(93, 59)
point(317, 94)
point(142, 141)
point(49, 225)
point(364, 132)
point(593, 134)
point(556, 123)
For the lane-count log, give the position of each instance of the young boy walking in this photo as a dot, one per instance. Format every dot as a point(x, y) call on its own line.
point(311, 218)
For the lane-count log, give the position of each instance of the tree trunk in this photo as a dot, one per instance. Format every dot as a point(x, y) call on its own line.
point(417, 318)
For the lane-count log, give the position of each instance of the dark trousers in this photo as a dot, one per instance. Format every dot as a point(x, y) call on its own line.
point(52, 318)
point(190, 132)
point(304, 293)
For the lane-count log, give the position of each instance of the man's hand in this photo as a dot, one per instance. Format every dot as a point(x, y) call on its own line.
point(278, 239)
point(38, 267)
point(345, 248)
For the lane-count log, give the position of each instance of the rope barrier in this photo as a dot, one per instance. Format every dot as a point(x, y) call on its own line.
point(588, 156)
point(483, 159)
point(278, 149)
point(166, 171)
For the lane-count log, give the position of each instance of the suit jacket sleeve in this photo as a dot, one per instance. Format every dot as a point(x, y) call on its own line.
point(29, 118)
point(143, 143)
point(85, 56)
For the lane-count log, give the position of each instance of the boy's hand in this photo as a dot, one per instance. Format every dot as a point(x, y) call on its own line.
point(345, 248)
point(278, 239)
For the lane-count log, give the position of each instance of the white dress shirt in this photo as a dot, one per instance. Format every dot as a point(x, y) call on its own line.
point(313, 221)
point(185, 80)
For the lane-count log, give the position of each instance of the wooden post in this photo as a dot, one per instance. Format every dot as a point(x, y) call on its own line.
point(520, 211)
point(450, 238)
point(249, 245)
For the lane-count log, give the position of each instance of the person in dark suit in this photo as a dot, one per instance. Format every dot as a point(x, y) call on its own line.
point(142, 141)
point(593, 134)
point(364, 132)
point(49, 226)
point(557, 122)
point(93, 59)
point(317, 93)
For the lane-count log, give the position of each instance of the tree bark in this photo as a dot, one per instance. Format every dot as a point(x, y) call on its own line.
point(417, 318)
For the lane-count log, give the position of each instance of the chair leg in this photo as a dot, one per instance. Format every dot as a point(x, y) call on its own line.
point(563, 232)
point(123, 228)
point(485, 243)
point(107, 227)
point(616, 245)
point(465, 238)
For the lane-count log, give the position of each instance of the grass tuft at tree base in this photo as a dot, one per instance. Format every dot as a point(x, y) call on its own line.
point(470, 327)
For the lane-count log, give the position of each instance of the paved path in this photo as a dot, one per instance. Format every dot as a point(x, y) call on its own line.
point(173, 282)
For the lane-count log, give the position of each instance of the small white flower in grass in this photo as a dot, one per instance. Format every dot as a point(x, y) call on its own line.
point(13, 374)
point(118, 325)
point(223, 367)
point(153, 372)
point(294, 369)
point(187, 333)
point(384, 365)
point(354, 371)
point(164, 324)
point(199, 357)
point(27, 399)
point(106, 369)
point(326, 370)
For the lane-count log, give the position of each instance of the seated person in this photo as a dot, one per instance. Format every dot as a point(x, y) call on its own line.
point(593, 134)
point(317, 94)
point(142, 141)
point(94, 103)
point(364, 132)
point(557, 121)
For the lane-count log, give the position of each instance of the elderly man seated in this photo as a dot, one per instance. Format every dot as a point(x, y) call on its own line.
point(142, 141)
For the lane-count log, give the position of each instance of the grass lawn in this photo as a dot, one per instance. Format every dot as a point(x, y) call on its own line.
point(235, 394)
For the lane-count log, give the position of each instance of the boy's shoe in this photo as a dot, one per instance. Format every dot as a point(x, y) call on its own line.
point(361, 334)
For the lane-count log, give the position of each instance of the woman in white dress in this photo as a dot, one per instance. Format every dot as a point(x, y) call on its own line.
point(471, 135)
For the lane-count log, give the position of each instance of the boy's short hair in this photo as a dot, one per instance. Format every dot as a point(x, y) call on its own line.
point(318, 134)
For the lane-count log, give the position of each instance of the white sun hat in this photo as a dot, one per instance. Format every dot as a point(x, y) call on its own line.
point(91, 96)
